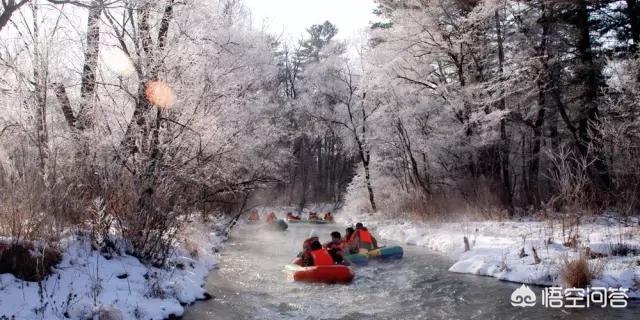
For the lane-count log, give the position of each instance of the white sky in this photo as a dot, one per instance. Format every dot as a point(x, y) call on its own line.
point(290, 18)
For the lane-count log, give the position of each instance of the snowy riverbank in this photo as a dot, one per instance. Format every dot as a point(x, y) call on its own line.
point(86, 285)
point(495, 247)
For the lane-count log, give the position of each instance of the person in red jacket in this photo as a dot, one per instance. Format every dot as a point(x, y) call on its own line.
point(336, 247)
point(319, 256)
point(271, 217)
point(253, 216)
point(306, 247)
point(362, 239)
point(348, 240)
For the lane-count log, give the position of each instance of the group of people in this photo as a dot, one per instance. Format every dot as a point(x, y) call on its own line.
point(254, 216)
point(333, 252)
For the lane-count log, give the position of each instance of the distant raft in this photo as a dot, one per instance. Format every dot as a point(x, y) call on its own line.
point(386, 253)
point(319, 274)
point(294, 220)
point(313, 221)
point(319, 221)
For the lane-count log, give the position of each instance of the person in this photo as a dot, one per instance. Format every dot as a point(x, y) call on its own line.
point(348, 240)
point(306, 247)
point(335, 247)
point(319, 256)
point(313, 236)
point(253, 216)
point(362, 239)
point(271, 217)
point(348, 236)
point(328, 216)
point(313, 215)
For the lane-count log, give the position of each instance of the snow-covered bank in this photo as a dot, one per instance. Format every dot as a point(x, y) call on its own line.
point(495, 247)
point(86, 285)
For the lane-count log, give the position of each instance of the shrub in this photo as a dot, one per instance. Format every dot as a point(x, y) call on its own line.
point(26, 261)
point(578, 273)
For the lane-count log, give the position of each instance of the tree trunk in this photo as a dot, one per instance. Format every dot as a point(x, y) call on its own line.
point(505, 172)
point(367, 177)
point(65, 104)
point(88, 85)
point(413, 164)
point(633, 14)
point(40, 93)
point(534, 161)
point(365, 157)
point(152, 63)
point(590, 74)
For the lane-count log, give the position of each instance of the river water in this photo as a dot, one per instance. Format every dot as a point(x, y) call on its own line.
point(250, 284)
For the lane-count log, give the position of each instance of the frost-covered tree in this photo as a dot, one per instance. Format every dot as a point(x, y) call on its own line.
point(323, 165)
point(168, 108)
point(481, 91)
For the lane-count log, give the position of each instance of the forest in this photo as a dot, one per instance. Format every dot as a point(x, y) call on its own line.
point(140, 113)
point(127, 119)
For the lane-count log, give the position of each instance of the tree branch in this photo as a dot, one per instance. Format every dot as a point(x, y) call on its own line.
point(428, 85)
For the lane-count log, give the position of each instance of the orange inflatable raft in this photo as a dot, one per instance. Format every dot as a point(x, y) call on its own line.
point(320, 274)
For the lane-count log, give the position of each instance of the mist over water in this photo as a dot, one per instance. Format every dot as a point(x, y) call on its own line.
point(250, 284)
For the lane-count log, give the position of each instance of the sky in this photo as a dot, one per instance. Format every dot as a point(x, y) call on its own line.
point(290, 18)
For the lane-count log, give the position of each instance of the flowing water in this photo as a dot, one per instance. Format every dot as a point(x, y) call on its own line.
point(250, 284)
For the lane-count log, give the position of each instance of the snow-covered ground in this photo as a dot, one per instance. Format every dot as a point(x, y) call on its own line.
point(495, 247)
point(86, 285)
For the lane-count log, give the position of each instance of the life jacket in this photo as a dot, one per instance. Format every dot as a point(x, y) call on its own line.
point(328, 216)
point(321, 258)
point(364, 236)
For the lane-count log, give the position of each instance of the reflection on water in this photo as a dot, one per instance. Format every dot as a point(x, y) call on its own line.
point(250, 284)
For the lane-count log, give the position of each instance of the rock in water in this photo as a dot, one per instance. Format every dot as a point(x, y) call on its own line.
point(282, 225)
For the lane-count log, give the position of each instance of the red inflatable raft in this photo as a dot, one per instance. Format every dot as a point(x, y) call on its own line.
point(320, 274)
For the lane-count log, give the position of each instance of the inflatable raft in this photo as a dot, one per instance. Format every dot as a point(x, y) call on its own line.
point(320, 274)
point(314, 221)
point(319, 221)
point(386, 253)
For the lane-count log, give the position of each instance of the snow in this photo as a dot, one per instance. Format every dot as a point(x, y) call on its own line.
point(495, 247)
point(86, 285)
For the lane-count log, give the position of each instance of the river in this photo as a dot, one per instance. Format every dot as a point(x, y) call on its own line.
point(250, 284)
